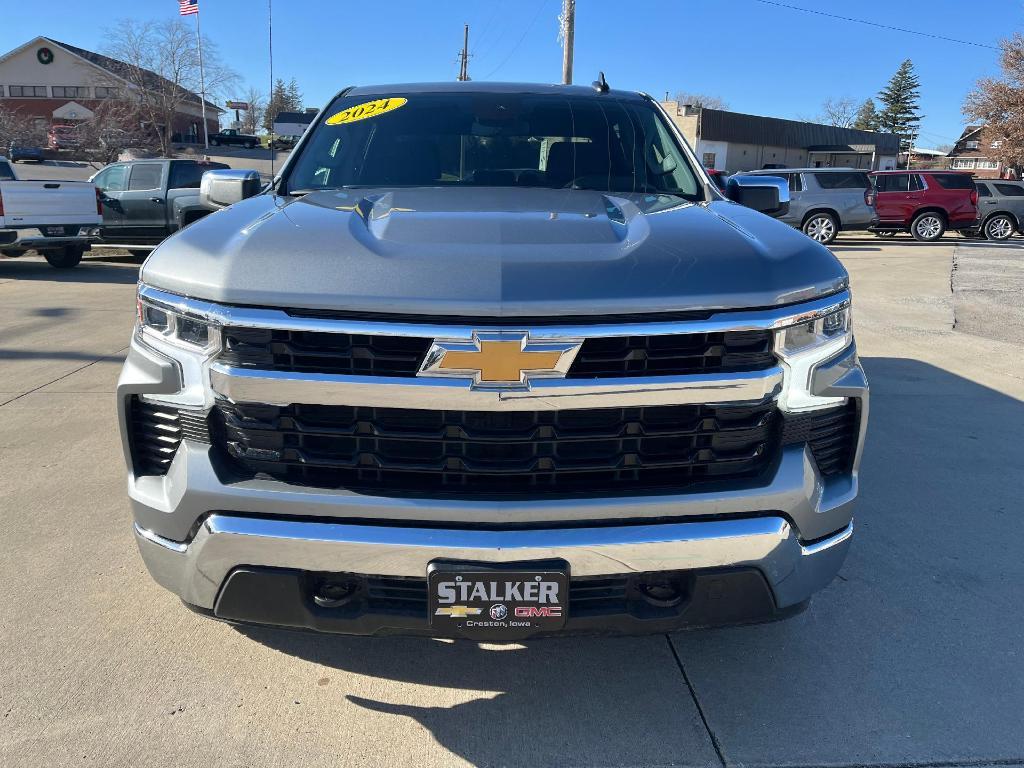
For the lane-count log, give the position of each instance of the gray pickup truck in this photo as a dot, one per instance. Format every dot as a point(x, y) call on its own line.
point(491, 361)
point(144, 201)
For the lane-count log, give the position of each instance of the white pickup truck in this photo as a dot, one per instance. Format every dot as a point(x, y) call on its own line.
point(59, 219)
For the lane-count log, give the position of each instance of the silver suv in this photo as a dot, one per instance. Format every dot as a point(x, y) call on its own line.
point(492, 360)
point(825, 201)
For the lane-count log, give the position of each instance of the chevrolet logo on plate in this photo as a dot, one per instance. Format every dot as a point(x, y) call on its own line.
point(458, 611)
point(501, 359)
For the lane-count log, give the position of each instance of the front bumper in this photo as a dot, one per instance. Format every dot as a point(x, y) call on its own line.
point(742, 569)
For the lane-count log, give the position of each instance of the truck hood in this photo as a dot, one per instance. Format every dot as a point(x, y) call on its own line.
point(492, 252)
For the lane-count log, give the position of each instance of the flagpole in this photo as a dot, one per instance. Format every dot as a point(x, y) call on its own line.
point(202, 81)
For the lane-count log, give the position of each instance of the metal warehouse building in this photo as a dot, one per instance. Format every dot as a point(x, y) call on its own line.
point(731, 141)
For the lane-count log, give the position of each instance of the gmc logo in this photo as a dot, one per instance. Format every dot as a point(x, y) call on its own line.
point(526, 612)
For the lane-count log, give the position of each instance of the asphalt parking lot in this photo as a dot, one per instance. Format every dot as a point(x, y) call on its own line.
point(912, 657)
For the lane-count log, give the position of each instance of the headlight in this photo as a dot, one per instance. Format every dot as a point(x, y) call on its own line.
point(802, 347)
point(160, 322)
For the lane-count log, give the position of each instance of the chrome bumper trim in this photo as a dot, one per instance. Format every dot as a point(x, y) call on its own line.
point(284, 388)
point(224, 542)
point(721, 320)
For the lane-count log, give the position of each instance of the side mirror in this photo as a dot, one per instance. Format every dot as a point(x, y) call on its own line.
point(767, 194)
point(219, 189)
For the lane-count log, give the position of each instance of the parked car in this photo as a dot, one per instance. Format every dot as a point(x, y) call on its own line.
point(559, 382)
point(63, 137)
point(232, 137)
point(1001, 205)
point(144, 201)
point(924, 203)
point(719, 177)
point(826, 201)
point(54, 218)
point(20, 153)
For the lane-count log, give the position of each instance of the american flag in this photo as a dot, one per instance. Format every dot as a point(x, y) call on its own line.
point(188, 7)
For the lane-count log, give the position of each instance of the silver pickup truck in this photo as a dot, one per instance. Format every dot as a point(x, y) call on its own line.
point(490, 361)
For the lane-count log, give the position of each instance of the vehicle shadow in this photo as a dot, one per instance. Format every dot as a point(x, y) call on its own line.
point(908, 657)
point(92, 269)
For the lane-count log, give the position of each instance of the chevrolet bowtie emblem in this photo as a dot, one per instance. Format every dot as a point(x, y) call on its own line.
point(458, 611)
point(499, 359)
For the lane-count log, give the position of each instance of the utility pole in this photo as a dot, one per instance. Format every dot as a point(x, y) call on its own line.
point(568, 35)
point(464, 55)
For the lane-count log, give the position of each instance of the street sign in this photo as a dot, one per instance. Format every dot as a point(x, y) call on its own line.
point(237, 104)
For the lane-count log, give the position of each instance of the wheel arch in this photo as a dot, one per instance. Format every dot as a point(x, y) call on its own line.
point(931, 209)
point(1010, 214)
point(823, 209)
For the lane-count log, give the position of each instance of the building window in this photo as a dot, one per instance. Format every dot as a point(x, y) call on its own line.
point(28, 91)
point(962, 164)
point(709, 159)
point(1, 91)
point(996, 144)
point(103, 92)
point(971, 145)
point(70, 92)
point(987, 165)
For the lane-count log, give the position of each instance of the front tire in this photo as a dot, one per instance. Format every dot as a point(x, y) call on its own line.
point(66, 257)
point(821, 227)
point(928, 227)
point(214, 143)
point(999, 227)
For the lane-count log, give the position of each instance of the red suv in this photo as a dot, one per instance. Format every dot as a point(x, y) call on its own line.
point(925, 203)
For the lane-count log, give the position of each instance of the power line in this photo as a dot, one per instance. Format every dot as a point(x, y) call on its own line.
point(540, 7)
point(877, 24)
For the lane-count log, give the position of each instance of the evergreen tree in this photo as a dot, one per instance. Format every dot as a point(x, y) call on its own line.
point(899, 99)
point(294, 97)
point(867, 117)
point(278, 103)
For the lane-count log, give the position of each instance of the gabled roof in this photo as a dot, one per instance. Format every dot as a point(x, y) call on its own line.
point(150, 80)
point(969, 131)
point(118, 69)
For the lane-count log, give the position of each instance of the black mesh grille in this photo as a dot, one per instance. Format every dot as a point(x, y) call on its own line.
point(486, 452)
point(625, 356)
point(831, 434)
point(673, 354)
point(317, 352)
point(156, 432)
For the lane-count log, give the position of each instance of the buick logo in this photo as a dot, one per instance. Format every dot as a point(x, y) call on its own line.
point(499, 611)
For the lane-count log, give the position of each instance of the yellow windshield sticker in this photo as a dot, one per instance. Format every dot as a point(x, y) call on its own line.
point(365, 110)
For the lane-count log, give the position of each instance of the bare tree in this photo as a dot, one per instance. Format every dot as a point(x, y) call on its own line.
point(17, 129)
point(161, 64)
point(999, 103)
point(113, 126)
point(701, 100)
point(841, 112)
point(252, 118)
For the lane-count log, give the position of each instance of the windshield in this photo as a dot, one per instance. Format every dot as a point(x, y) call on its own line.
point(494, 140)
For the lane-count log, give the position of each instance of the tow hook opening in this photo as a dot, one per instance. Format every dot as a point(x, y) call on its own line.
point(334, 594)
point(663, 590)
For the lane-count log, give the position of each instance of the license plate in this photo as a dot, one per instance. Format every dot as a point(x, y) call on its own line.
point(53, 231)
point(492, 602)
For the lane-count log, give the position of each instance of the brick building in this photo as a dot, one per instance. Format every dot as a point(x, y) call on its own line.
point(54, 83)
point(971, 153)
point(732, 141)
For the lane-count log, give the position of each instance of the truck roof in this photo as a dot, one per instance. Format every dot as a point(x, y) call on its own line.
point(488, 87)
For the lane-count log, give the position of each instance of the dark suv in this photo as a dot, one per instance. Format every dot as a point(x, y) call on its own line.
point(924, 203)
point(1002, 208)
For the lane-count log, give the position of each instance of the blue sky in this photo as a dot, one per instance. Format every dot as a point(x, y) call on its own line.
point(761, 59)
